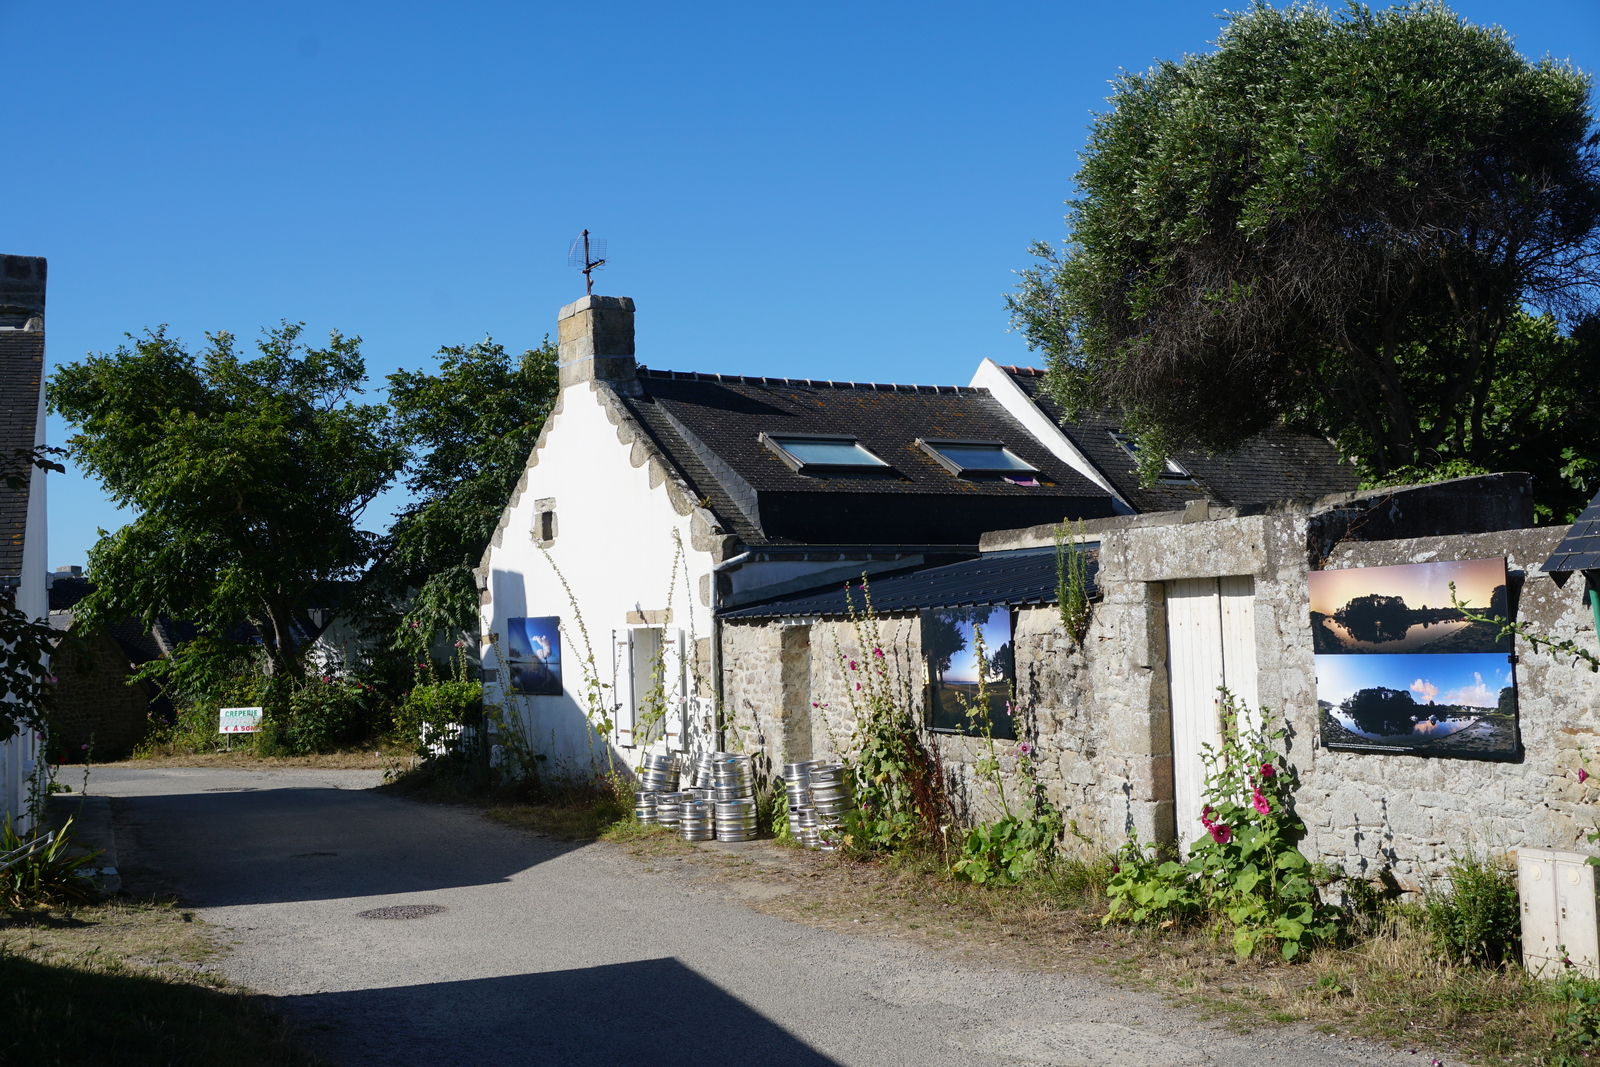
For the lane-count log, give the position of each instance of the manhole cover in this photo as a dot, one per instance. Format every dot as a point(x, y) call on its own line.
point(402, 911)
point(311, 855)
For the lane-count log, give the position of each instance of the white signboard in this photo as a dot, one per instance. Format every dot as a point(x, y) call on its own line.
point(239, 721)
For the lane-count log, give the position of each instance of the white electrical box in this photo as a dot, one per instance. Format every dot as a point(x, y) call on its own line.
point(1557, 891)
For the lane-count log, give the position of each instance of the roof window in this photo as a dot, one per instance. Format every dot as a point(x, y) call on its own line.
point(976, 457)
point(822, 451)
point(1175, 472)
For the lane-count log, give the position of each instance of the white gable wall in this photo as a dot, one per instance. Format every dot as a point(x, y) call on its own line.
point(616, 510)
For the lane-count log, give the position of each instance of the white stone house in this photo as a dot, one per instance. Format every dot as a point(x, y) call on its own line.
point(22, 513)
point(655, 500)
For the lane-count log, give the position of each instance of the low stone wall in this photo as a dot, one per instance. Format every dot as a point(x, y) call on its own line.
point(1100, 714)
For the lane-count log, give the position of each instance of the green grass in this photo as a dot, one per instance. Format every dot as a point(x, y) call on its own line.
point(127, 985)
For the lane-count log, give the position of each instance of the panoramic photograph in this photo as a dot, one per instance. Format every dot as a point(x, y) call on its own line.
point(1407, 608)
point(1436, 705)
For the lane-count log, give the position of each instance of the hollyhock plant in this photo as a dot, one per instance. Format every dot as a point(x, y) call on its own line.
point(1259, 802)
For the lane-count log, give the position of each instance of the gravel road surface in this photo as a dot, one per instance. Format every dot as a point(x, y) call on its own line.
point(513, 949)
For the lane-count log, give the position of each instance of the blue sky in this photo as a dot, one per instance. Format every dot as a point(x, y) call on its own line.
point(824, 190)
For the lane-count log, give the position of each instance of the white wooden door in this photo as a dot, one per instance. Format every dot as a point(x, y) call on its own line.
point(1210, 643)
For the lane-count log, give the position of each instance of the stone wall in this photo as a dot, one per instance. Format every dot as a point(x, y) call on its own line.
point(1100, 715)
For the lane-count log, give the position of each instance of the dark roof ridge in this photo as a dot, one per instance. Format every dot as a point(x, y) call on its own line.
point(806, 383)
point(1036, 372)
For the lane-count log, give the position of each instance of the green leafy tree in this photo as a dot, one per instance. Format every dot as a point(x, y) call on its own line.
point(471, 425)
point(1339, 220)
point(248, 477)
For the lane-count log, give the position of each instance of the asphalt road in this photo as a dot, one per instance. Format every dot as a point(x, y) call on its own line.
point(549, 954)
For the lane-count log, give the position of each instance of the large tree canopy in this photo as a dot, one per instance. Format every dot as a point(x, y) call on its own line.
point(247, 476)
point(1339, 220)
point(471, 426)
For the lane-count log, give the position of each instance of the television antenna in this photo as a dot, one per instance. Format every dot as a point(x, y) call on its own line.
point(587, 254)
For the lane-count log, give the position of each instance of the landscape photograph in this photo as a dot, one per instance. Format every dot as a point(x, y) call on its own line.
point(949, 640)
point(1442, 705)
point(1407, 608)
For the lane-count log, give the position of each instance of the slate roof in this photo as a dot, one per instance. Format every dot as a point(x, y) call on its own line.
point(1280, 464)
point(1015, 578)
point(709, 426)
point(1580, 549)
point(21, 368)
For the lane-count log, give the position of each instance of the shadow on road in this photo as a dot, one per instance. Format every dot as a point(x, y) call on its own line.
point(641, 1014)
point(264, 846)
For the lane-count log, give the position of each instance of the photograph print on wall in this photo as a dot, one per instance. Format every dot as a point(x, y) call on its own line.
point(534, 651)
point(1399, 669)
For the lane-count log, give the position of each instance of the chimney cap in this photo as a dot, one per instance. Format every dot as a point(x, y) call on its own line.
point(596, 303)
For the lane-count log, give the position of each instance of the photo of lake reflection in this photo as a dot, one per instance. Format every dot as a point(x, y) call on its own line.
point(1428, 705)
point(1406, 609)
point(1400, 669)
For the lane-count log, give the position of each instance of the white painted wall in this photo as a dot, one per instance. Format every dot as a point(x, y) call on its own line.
point(18, 756)
point(614, 545)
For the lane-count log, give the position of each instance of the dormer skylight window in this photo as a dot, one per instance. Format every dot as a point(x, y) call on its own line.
point(1175, 472)
point(976, 457)
point(810, 453)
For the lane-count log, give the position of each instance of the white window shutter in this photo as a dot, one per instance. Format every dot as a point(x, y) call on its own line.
point(622, 691)
point(677, 689)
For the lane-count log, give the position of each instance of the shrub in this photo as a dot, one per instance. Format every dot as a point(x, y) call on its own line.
point(1477, 921)
point(320, 714)
point(434, 715)
point(1247, 869)
point(47, 878)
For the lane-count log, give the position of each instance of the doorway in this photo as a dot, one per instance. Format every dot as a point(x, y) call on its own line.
point(1211, 642)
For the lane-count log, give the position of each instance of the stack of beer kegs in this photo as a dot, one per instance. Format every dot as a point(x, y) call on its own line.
point(802, 813)
point(694, 822)
point(832, 797)
point(733, 787)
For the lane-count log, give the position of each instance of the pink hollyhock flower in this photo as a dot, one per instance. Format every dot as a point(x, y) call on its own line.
point(858, 685)
point(1220, 833)
point(878, 652)
point(1024, 749)
point(852, 664)
point(1268, 770)
point(1583, 776)
point(1260, 802)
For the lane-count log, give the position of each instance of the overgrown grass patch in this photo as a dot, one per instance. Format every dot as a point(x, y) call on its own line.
point(127, 985)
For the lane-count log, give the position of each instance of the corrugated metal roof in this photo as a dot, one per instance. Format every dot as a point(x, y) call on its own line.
point(1016, 578)
point(1580, 549)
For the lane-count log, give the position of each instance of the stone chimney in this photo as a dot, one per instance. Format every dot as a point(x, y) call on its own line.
point(596, 336)
point(22, 293)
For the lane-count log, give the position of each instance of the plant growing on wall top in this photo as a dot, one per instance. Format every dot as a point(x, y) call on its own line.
point(1072, 580)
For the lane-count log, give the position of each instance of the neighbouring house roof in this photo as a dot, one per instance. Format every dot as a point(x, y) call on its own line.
point(1580, 549)
point(1024, 577)
point(21, 369)
point(709, 426)
point(1280, 464)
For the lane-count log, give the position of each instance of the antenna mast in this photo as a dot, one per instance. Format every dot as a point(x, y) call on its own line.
point(587, 258)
